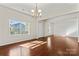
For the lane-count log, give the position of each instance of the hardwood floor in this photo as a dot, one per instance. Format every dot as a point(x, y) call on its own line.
point(45, 46)
point(64, 46)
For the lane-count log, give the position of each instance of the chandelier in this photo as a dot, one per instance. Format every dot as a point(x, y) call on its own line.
point(36, 12)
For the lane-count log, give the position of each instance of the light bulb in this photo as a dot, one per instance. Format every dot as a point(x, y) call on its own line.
point(39, 10)
point(32, 10)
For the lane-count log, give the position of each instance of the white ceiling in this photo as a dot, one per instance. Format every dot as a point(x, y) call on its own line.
point(48, 9)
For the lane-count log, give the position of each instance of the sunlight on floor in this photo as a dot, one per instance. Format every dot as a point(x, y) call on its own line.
point(14, 52)
point(49, 42)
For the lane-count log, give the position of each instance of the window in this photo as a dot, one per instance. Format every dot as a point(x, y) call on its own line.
point(18, 27)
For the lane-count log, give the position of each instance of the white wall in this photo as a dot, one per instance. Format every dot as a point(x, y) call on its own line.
point(66, 25)
point(5, 15)
point(41, 28)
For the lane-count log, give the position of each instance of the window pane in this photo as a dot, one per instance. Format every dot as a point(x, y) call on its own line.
point(18, 27)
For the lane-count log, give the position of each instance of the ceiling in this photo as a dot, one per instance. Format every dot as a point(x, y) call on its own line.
point(48, 9)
